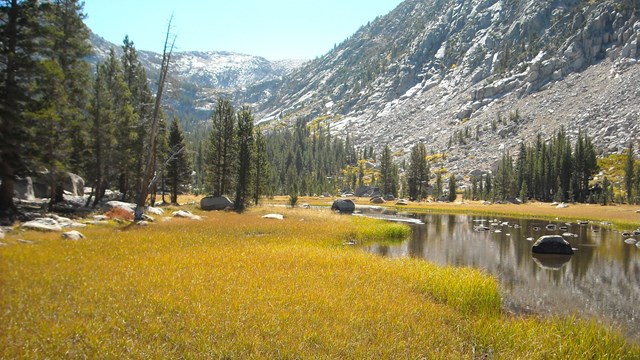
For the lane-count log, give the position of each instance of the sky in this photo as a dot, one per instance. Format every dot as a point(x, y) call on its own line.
point(274, 29)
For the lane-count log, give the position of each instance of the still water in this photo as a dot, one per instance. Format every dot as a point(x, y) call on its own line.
point(600, 281)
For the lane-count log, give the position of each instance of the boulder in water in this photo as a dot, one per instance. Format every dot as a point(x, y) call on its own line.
point(344, 206)
point(552, 244)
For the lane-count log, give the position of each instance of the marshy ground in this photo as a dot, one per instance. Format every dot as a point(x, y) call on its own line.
point(240, 286)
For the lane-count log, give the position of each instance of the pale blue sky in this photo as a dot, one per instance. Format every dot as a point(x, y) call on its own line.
point(275, 29)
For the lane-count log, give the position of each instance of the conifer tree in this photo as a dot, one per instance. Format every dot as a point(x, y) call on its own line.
point(136, 80)
point(386, 172)
point(68, 39)
point(102, 134)
point(629, 174)
point(245, 158)
point(178, 168)
point(452, 188)
point(18, 32)
point(418, 174)
point(260, 167)
point(221, 155)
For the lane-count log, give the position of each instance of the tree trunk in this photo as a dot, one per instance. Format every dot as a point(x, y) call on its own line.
point(164, 69)
point(8, 210)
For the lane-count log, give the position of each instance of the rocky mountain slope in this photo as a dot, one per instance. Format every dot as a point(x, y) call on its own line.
point(197, 79)
point(474, 78)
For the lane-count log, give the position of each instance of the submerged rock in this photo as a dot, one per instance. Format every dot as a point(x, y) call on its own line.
point(552, 244)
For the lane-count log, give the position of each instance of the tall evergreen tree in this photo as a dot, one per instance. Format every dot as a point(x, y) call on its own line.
point(386, 172)
point(69, 45)
point(452, 188)
point(102, 134)
point(245, 158)
point(260, 167)
point(178, 167)
point(141, 100)
point(220, 157)
point(629, 174)
point(418, 174)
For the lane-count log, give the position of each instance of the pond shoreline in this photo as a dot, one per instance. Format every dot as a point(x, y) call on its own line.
point(621, 216)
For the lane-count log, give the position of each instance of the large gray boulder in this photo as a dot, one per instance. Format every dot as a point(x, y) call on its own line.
point(42, 224)
point(215, 203)
point(37, 187)
point(74, 184)
point(552, 244)
point(344, 206)
point(23, 189)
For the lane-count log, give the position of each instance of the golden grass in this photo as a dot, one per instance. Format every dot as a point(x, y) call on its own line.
point(239, 286)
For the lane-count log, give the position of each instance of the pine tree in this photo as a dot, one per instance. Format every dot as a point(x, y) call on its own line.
point(386, 172)
point(69, 45)
point(141, 100)
point(125, 122)
point(220, 157)
point(260, 167)
point(629, 173)
point(102, 134)
point(438, 189)
point(245, 158)
point(418, 173)
point(452, 188)
point(178, 168)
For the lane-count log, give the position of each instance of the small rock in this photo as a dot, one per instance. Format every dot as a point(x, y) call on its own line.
point(273, 216)
point(142, 223)
point(155, 211)
point(73, 235)
point(186, 214)
point(96, 222)
point(148, 218)
point(630, 241)
point(101, 218)
point(562, 206)
point(42, 224)
point(27, 242)
point(3, 244)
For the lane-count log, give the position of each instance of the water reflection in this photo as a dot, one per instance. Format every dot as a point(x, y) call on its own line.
point(601, 280)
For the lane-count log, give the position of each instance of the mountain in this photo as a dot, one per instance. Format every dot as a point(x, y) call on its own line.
point(198, 78)
point(474, 78)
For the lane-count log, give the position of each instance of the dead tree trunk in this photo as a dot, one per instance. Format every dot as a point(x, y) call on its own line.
point(164, 69)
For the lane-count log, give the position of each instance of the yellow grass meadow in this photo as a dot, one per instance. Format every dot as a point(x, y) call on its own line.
point(240, 286)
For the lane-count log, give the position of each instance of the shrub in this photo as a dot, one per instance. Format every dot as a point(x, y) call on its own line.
point(119, 213)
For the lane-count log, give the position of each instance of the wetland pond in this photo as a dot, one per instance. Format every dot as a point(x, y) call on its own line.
point(600, 281)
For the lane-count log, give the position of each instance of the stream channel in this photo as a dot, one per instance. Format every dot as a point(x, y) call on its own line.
point(600, 281)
